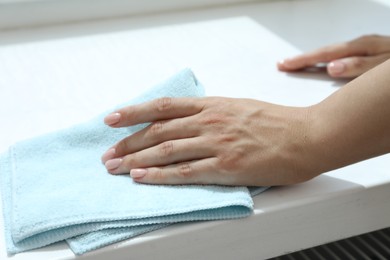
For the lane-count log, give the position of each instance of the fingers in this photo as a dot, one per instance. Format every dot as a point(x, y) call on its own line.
point(369, 45)
point(192, 172)
point(354, 66)
point(322, 55)
point(169, 152)
point(152, 135)
point(155, 110)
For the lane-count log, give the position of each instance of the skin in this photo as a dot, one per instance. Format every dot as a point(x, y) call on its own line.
point(216, 140)
point(344, 60)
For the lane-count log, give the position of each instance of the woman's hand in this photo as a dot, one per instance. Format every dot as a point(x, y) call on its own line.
point(212, 141)
point(344, 60)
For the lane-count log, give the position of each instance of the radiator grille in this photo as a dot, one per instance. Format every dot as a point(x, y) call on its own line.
point(372, 246)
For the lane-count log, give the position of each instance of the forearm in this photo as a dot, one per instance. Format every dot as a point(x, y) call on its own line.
point(353, 124)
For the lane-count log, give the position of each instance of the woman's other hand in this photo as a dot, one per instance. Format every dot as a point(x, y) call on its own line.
point(344, 60)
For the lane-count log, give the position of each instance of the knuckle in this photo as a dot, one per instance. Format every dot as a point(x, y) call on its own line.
point(212, 119)
point(228, 162)
point(122, 147)
point(131, 161)
point(158, 175)
point(166, 149)
point(185, 170)
point(224, 139)
point(217, 113)
point(156, 129)
point(357, 62)
point(163, 104)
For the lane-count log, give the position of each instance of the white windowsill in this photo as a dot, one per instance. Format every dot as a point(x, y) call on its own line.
point(28, 13)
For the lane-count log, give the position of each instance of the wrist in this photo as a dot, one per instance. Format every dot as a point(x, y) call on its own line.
point(309, 160)
point(302, 160)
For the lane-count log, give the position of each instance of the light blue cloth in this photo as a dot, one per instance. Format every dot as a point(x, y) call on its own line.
point(55, 188)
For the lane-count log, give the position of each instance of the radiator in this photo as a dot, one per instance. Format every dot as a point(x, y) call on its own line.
point(374, 245)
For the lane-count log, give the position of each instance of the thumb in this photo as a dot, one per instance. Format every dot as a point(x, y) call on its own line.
point(354, 66)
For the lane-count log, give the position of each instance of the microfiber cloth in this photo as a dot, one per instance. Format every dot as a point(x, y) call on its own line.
point(55, 188)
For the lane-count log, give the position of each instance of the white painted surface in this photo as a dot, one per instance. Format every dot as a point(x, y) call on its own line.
point(54, 77)
point(22, 13)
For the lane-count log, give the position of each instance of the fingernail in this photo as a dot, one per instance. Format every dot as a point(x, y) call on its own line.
point(281, 62)
point(285, 64)
point(138, 173)
point(113, 164)
point(336, 67)
point(108, 155)
point(112, 119)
